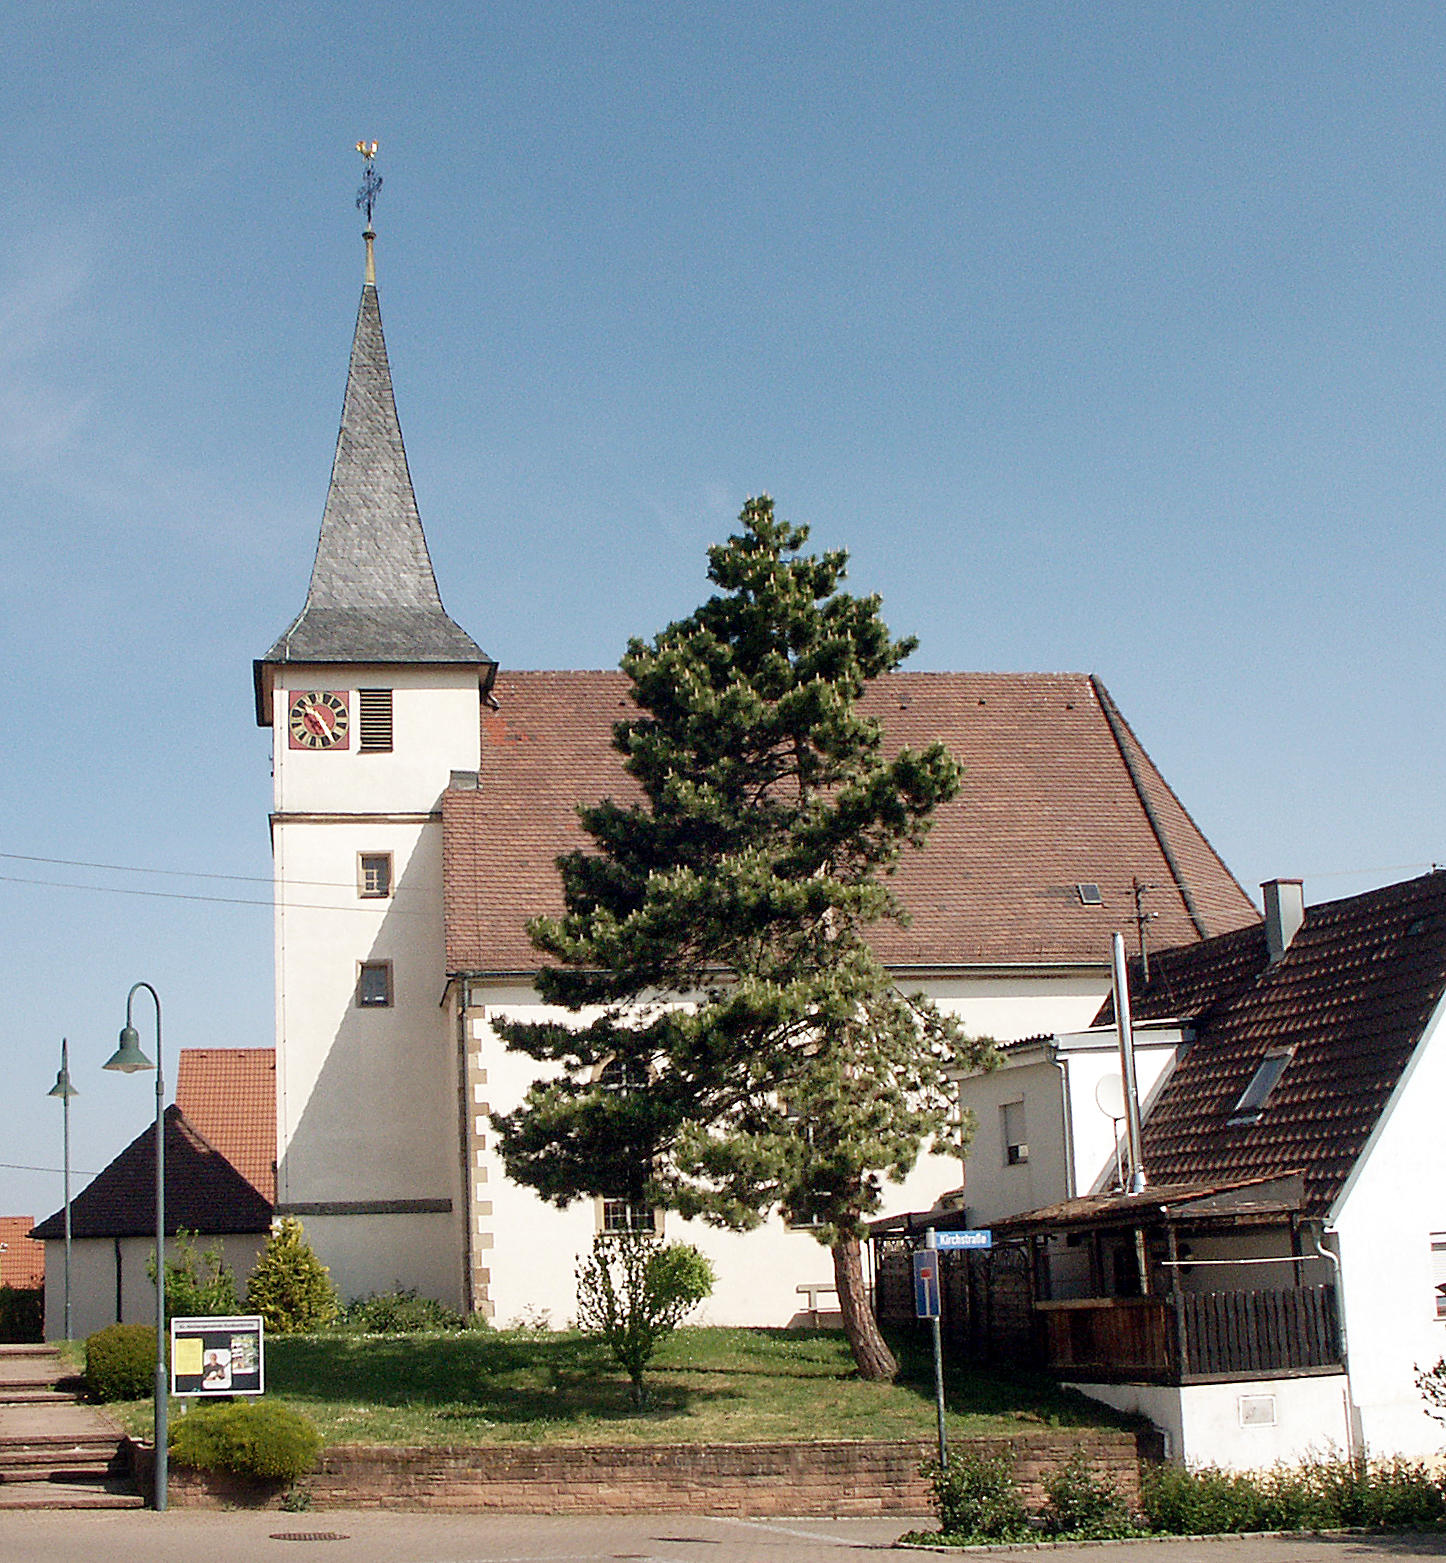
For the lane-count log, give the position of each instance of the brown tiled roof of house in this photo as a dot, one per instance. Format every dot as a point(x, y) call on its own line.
point(22, 1258)
point(1351, 996)
point(228, 1095)
point(204, 1192)
point(1057, 792)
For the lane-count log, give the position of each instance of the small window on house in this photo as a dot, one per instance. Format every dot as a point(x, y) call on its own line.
point(620, 1213)
point(1089, 895)
point(374, 875)
point(375, 711)
point(1262, 1083)
point(627, 1215)
point(374, 985)
point(1011, 1124)
point(1438, 1271)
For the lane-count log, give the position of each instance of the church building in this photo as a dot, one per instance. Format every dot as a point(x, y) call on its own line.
point(422, 794)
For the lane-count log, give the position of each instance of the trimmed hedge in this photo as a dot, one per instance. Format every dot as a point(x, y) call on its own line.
point(256, 1438)
point(120, 1362)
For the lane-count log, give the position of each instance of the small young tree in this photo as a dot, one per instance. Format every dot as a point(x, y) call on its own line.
point(761, 1055)
point(1432, 1384)
point(290, 1287)
point(633, 1291)
point(198, 1284)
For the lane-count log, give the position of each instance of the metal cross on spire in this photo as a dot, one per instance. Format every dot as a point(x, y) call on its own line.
point(366, 197)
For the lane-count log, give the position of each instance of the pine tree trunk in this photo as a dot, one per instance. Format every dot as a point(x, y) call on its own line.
point(874, 1359)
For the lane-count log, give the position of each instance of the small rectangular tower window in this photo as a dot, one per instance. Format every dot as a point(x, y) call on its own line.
point(374, 875)
point(1011, 1123)
point(375, 712)
point(374, 985)
point(1438, 1271)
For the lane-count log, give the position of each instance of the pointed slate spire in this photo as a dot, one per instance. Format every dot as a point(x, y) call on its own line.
point(373, 596)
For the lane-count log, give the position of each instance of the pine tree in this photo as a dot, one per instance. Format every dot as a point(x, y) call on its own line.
point(290, 1287)
point(759, 1055)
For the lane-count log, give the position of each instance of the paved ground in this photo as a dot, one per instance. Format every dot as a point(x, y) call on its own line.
point(197, 1536)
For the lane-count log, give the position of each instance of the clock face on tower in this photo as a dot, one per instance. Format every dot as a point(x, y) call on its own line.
point(319, 719)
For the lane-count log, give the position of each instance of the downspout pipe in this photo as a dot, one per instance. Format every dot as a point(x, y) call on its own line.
point(1333, 1259)
point(1124, 1029)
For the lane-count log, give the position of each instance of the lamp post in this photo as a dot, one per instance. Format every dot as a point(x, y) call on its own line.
point(65, 1090)
point(128, 1058)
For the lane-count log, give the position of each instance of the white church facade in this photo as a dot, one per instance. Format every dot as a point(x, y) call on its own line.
point(420, 798)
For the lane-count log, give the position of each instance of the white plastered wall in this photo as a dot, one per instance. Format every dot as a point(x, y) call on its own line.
point(1246, 1425)
point(526, 1251)
point(1385, 1217)
point(93, 1279)
point(367, 1096)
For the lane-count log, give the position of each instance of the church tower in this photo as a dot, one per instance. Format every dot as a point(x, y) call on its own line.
point(372, 694)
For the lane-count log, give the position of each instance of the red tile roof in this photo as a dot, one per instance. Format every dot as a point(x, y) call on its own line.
point(22, 1259)
point(1057, 792)
point(1351, 996)
point(204, 1192)
point(229, 1095)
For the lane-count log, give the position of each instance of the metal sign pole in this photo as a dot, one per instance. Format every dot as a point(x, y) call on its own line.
point(931, 1241)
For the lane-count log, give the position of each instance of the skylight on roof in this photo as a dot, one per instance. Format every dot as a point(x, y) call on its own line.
point(1252, 1100)
point(1089, 895)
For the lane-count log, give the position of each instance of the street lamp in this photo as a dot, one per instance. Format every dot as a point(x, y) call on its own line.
point(128, 1058)
point(65, 1090)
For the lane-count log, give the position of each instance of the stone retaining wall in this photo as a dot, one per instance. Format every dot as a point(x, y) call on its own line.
point(836, 1477)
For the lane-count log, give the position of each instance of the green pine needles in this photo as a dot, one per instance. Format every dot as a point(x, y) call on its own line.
point(752, 1054)
point(290, 1287)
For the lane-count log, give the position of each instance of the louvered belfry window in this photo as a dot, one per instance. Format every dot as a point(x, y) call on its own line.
point(376, 720)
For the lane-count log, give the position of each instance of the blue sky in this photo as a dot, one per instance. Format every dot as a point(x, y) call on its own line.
point(1107, 338)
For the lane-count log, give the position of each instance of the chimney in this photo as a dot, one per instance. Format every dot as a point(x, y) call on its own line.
point(1284, 913)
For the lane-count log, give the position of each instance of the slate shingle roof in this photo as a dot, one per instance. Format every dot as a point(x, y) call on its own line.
point(1352, 996)
point(228, 1094)
point(1057, 791)
point(204, 1192)
point(373, 596)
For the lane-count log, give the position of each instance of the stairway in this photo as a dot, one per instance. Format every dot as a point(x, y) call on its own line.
point(55, 1451)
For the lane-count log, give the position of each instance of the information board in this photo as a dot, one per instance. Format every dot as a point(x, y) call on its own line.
point(220, 1356)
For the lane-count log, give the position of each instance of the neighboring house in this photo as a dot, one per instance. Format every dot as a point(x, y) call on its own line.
point(420, 799)
point(22, 1259)
point(220, 1194)
point(1282, 1278)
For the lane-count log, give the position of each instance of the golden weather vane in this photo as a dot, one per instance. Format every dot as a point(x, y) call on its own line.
point(366, 197)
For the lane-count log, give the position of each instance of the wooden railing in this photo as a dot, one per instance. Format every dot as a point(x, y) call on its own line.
point(1193, 1335)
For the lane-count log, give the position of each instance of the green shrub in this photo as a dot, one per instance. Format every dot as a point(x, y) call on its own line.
point(976, 1498)
point(633, 1291)
point(290, 1287)
point(1202, 1502)
point(249, 1437)
point(399, 1313)
point(199, 1284)
point(1394, 1494)
point(120, 1362)
point(1083, 1504)
point(22, 1314)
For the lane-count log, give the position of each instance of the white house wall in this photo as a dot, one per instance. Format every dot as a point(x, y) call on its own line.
point(1245, 1425)
point(93, 1279)
point(1071, 1141)
point(525, 1252)
point(1385, 1218)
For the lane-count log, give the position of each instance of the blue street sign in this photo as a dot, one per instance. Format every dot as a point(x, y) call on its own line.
point(970, 1237)
point(926, 1284)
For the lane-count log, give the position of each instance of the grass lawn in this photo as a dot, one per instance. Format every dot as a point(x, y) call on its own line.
point(705, 1386)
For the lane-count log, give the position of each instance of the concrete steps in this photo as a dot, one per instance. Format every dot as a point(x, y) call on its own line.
point(55, 1452)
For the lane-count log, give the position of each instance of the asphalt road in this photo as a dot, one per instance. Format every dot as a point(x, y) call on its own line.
point(200, 1536)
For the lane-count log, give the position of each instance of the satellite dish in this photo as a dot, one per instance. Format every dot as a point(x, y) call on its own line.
point(1110, 1096)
